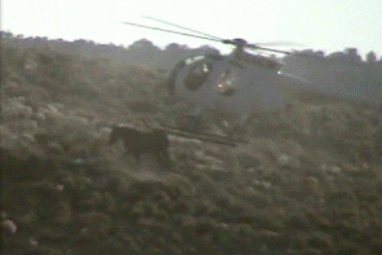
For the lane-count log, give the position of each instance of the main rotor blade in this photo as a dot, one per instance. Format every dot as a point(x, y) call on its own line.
point(185, 28)
point(171, 31)
point(255, 47)
point(279, 43)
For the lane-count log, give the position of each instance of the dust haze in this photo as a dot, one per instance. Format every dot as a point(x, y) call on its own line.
point(307, 179)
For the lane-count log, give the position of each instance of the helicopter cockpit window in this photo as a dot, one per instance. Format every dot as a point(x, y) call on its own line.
point(226, 85)
point(192, 60)
point(171, 80)
point(197, 75)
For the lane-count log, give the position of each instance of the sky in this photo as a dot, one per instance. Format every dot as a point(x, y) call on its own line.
point(328, 25)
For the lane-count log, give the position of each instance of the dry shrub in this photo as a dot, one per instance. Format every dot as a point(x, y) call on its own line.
point(43, 250)
point(95, 225)
point(201, 210)
point(15, 108)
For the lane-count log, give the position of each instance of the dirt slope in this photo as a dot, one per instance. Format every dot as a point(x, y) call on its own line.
point(307, 182)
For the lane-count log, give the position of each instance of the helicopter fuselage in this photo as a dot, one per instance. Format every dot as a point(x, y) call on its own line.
point(239, 83)
point(240, 86)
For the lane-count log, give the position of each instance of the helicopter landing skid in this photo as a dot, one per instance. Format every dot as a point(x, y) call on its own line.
point(200, 136)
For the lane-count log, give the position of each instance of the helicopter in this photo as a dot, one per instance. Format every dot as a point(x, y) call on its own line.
point(238, 84)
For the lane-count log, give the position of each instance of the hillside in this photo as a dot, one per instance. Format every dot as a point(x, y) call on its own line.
point(344, 74)
point(307, 182)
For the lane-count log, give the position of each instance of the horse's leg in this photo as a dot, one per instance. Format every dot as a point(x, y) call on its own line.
point(125, 154)
point(137, 158)
point(159, 158)
point(164, 158)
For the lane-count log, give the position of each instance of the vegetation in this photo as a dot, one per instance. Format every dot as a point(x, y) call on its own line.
point(340, 73)
point(308, 181)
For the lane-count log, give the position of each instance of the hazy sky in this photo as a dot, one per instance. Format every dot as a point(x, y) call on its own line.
point(329, 25)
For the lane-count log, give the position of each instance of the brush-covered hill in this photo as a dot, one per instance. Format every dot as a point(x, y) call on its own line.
point(307, 182)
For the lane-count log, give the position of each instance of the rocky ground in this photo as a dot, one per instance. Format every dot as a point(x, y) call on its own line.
point(307, 182)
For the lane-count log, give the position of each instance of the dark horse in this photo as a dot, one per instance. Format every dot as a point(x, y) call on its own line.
point(137, 143)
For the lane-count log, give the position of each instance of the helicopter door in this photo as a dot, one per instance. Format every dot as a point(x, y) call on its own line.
point(197, 74)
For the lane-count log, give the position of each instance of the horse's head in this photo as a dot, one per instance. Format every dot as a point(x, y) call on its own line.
point(114, 135)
